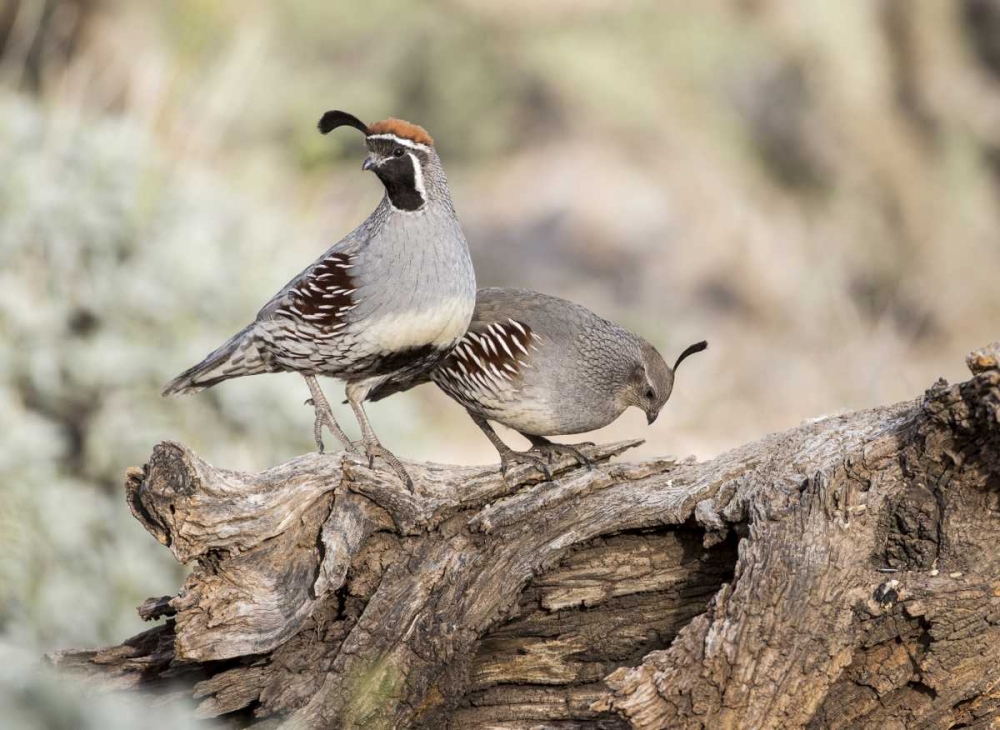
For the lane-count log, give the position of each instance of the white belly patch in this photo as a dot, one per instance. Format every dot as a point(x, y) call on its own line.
point(441, 325)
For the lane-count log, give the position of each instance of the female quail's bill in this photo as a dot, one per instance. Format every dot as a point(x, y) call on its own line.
point(544, 366)
point(385, 304)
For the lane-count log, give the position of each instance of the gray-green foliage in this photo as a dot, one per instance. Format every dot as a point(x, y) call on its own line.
point(116, 273)
point(34, 698)
point(119, 268)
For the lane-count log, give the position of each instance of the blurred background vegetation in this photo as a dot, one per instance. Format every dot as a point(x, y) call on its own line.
point(813, 187)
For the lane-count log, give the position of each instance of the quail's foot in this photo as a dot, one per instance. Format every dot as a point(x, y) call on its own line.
point(509, 458)
point(373, 449)
point(552, 450)
point(325, 416)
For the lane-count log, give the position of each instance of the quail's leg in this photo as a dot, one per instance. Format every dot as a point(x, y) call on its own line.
point(324, 415)
point(544, 446)
point(356, 395)
point(508, 456)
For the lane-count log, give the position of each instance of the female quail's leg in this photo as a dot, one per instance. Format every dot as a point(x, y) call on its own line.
point(507, 455)
point(324, 414)
point(356, 393)
point(543, 446)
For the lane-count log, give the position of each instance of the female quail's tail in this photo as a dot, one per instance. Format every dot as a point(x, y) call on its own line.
point(237, 357)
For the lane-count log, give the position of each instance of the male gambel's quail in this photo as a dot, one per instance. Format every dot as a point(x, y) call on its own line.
point(544, 366)
point(383, 305)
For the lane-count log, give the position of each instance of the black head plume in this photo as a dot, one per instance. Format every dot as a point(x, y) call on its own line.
point(333, 119)
point(696, 347)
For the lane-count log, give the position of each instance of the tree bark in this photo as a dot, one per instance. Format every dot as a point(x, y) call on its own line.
point(843, 574)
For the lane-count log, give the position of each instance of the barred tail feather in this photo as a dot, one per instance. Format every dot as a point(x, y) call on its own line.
point(239, 356)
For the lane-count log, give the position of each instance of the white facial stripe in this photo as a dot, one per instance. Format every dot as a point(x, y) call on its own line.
point(400, 140)
point(418, 176)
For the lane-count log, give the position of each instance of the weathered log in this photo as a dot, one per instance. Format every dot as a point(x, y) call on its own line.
point(842, 574)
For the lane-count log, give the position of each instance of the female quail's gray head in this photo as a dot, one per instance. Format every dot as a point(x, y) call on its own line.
point(402, 155)
point(653, 380)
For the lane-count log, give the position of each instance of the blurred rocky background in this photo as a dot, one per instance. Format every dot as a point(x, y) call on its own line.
point(812, 187)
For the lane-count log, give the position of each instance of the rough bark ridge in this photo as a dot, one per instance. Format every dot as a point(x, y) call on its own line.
point(843, 574)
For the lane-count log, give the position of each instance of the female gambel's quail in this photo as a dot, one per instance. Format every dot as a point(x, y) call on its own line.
point(544, 366)
point(383, 305)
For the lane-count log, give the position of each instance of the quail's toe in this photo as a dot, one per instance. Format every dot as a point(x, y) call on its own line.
point(375, 450)
point(552, 451)
point(512, 458)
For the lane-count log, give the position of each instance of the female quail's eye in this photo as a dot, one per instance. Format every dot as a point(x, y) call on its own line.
point(650, 394)
point(398, 152)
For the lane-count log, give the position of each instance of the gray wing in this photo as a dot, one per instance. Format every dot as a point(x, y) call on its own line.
point(310, 308)
point(544, 314)
point(322, 293)
point(320, 297)
point(486, 363)
point(302, 327)
point(489, 363)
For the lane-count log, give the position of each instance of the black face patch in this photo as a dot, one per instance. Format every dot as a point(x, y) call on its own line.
point(397, 174)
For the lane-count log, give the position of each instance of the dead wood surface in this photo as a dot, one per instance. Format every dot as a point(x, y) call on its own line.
point(844, 574)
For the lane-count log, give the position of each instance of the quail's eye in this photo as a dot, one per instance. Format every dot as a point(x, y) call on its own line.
point(650, 394)
point(398, 152)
